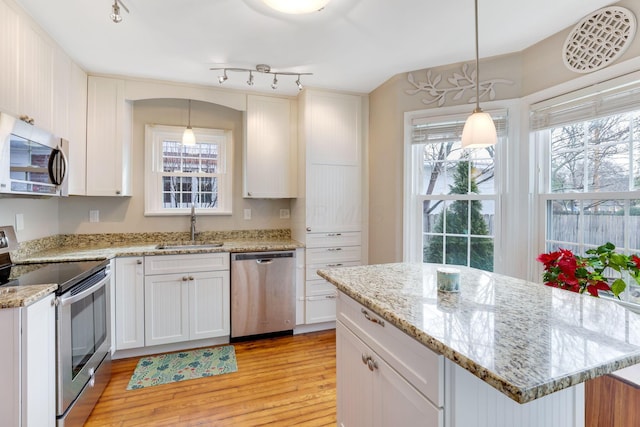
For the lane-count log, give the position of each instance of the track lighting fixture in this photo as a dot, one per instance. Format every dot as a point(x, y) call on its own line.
point(188, 137)
point(265, 69)
point(479, 130)
point(115, 11)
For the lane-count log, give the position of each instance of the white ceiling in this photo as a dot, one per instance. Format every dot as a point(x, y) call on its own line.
point(352, 45)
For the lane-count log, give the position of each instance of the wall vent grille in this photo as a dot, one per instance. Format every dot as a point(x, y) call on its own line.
point(599, 39)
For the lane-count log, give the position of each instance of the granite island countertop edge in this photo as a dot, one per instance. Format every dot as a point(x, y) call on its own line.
point(513, 391)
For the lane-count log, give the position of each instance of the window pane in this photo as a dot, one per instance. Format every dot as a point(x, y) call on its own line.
point(456, 250)
point(603, 222)
point(457, 218)
point(432, 216)
point(432, 249)
point(567, 158)
point(481, 255)
point(563, 217)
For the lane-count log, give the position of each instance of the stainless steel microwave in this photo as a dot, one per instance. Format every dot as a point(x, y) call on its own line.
point(33, 162)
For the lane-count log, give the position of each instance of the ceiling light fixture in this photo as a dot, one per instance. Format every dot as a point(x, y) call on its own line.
point(188, 137)
point(265, 69)
point(479, 130)
point(296, 7)
point(115, 11)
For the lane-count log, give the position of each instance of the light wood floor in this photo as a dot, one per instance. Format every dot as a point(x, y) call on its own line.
point(285, 381)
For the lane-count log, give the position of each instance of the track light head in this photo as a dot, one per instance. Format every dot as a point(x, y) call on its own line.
point(115, 11)
point(115, 14)
point(250, 81)
point(299, 83)
point(274, 85)
point(223, 78)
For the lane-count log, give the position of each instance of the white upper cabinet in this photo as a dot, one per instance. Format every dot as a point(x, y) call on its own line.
point(270, 148)
point(109, 137)
point(332, 124)
point(9, 63)
point(77, 131)
point(35, 76)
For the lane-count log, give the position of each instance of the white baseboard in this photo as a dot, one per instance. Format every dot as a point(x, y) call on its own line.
point(166, 348)
point(314, 327)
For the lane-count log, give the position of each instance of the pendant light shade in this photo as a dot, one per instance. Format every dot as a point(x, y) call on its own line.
point(188, 137)
point(479, 130)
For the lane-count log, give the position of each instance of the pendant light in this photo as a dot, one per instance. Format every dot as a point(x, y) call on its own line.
point(188, 137)
point(479, 130)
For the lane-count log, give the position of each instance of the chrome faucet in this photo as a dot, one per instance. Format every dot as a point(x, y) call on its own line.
point(193, 222)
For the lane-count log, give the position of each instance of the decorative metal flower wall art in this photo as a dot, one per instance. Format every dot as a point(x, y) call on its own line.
point(461, 84)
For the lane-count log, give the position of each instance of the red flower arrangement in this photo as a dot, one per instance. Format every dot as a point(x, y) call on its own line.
point(563, 269)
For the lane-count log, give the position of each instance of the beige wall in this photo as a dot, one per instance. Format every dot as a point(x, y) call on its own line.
point(532, 70)
point(126, 214)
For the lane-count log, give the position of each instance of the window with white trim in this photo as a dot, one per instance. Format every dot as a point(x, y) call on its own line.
point(178, 176)
point(453, 193)
point(588, 146)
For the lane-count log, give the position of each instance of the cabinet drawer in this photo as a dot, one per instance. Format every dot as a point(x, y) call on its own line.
point(333, 254)
point(313, 268)
point(320, 308)
point(321, 240)
point(166, 264)
point(319, 287)
point(416, 363)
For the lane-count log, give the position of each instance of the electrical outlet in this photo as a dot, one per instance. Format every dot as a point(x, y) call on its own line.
point(284, 213)
point(94, 216)
point(247, 214)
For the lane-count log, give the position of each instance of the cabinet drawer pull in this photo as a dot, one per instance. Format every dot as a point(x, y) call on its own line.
point(372, 364)
point(334, 249)
point(334, 234)
point(335, 265)
point(331, 296)
point(371, 319)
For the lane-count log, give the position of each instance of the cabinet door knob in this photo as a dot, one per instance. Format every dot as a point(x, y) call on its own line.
point(372, 364)
point(139, 261)
point(185, 278)
point(308, 228)
point(190, 277)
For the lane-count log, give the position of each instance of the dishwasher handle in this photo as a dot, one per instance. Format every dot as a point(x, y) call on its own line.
point(262, 256)
point(264, 261)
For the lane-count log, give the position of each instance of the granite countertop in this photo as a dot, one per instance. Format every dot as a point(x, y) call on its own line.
point(100, 247)
point(525, 339)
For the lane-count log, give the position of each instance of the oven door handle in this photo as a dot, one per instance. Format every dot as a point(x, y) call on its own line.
point(67, 300)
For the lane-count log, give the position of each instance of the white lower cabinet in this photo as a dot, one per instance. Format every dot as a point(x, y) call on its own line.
point(371, 393)
point(188, 305)
point(387, 380)
point(27, 392)
point(129, 303)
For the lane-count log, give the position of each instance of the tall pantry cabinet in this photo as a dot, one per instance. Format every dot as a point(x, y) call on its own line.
point(327, 215)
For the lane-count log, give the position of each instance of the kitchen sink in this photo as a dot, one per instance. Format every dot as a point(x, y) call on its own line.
point(189, 244)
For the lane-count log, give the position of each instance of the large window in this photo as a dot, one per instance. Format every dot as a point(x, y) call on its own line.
point(453, 194)
point(589, 158)
point(179, 176)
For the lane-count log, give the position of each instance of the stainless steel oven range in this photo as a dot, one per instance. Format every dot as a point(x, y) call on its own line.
point(83, 336)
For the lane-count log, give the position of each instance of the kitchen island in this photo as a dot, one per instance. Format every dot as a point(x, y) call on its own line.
point(534, 345)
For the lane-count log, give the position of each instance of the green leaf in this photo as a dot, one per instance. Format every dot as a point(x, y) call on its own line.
point(618, 260)
point(618, 287)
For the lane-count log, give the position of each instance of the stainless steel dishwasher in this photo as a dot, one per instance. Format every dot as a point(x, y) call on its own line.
point(262, 294)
